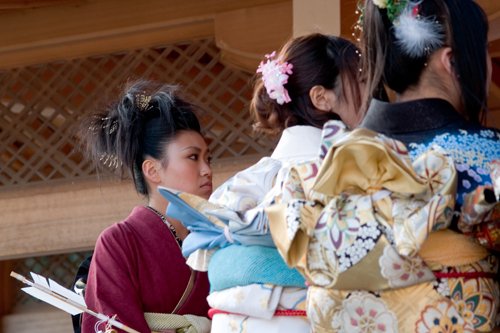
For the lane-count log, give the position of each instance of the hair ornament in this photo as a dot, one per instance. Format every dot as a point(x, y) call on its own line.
point(112, 125)
point(142, 102)
point(417, 36)
point(275, 75)
point(394, 7)
point(110, 160)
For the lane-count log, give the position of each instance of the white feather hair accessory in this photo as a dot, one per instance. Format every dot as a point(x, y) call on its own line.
point(417, 36)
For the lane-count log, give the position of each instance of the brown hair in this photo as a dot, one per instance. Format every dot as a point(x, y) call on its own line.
point(317, 59)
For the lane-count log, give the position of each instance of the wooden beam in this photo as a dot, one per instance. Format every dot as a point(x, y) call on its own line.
point(69, 218)
point(42, 318)
point(17, 4)
point(245, 35)
point(490, 7)
point(116, 24)
point(494, 16)
point(316, 16)
point(61, 219)
point(137, 39)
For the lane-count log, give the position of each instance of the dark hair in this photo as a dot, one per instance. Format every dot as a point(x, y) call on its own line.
point(120, 136)
point(317, 60)
point(465, 26)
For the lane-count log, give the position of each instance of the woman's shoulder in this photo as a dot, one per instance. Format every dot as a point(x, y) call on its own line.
point(137, 223)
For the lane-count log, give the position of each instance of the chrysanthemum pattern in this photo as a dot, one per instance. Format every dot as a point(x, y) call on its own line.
point(366, 313)
point(343, 237)
point(442, 317)
point(402, 272)
point(339, 223)
point(435, 170)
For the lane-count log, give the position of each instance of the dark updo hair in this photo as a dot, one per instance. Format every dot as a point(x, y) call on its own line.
point(317, 59)
point(120, 136)
point(465, 27)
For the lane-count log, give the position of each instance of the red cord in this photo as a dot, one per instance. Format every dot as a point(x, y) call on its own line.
point(278, 313)
point(469, 275)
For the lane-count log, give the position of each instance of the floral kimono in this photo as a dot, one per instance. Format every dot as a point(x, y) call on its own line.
point(369, 230)
point(251, 288)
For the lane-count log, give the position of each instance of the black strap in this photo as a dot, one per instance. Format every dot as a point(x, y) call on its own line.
point(81, 277)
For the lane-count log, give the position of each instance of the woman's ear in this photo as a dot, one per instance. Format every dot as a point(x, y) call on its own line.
point(446, 58)
point(323, 99)
point(150, 171)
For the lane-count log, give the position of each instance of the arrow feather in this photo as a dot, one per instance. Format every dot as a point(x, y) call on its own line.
point(56, 295)
point(56, 287)
point(41, 295)
point(62, 298)
point(38, 279)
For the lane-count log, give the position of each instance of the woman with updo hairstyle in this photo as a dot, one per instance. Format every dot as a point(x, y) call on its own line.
point(151, 135)
point(433, 54)
point(324, 85)
point(312, 80)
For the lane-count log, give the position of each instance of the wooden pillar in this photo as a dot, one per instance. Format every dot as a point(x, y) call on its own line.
point(6, 288)
point(316, 16)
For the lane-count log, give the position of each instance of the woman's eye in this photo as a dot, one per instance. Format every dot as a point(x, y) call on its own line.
point(209, 160)
point(194, 157)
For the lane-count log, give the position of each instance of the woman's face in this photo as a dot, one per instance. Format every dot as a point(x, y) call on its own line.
point(188, 165)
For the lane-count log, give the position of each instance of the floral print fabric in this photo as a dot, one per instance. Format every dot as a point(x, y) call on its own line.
point(258, 300)
point(365, 212)
point(481, 211)
point(472, 150)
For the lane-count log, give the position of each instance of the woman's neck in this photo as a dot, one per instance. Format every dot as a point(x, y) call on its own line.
point(158, 203)
point(437, 81)
point(425, 92)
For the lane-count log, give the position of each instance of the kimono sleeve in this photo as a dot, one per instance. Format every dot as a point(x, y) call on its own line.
point(113, 287)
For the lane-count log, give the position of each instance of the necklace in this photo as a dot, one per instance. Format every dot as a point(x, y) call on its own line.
point(164, 219)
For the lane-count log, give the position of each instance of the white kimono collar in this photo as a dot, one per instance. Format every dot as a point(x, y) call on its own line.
point(299, 142)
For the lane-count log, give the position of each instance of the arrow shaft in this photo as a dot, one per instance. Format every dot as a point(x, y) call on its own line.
point(72, 303)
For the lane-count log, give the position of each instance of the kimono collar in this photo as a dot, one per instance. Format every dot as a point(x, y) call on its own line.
point(298, 142)
point(412, 116)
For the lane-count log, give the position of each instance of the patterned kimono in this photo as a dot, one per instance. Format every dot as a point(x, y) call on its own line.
point(370, 230)
point(252, 289)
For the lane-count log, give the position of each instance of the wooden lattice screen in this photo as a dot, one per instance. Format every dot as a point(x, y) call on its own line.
point(40, 106)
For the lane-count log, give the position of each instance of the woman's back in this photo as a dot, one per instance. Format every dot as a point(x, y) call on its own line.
point(423, 123)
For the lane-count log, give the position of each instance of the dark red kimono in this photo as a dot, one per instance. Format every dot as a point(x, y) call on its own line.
point(138, 267)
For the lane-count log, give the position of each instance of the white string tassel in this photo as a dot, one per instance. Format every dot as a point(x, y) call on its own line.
point(417, 36)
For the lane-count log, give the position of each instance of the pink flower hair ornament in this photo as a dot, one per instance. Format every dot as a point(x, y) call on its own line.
point(275, 75)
